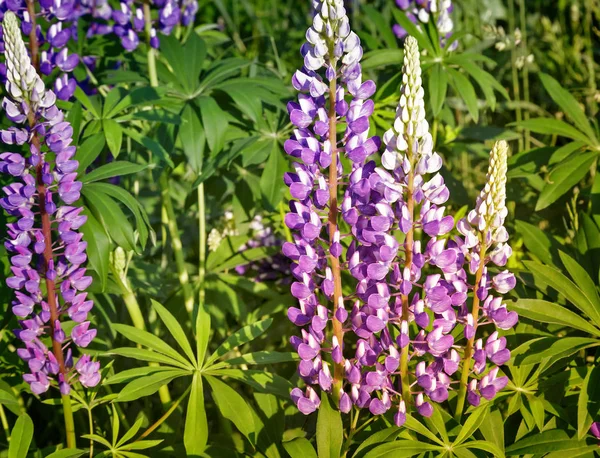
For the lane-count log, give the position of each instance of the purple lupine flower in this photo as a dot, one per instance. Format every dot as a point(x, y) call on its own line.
point(331, 91)
point(43, 239)
point(422, 11)
point(595, 429)
point(399, 316)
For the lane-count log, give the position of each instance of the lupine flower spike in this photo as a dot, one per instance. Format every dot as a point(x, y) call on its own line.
point(423, 11)
point(401, 321)
point(47, 250)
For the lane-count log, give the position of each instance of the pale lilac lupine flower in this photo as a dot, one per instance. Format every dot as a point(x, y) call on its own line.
point(43, 239)
point(422, 12)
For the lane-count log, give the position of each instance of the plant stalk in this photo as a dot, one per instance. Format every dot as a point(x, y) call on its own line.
point(515, 71)
point(166, 415)
point(48, 255)
point(201, 243)
point(464, 379)
point(4, 422)
point(523, 21)
point(332, 223)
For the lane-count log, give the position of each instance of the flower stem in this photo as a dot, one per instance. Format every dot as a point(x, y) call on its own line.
point(408, 250)
point(332, 223)
point(184, 279)
point(91, 426)
point(201, 242)
point(523, 21)
point(464, 379)
point(150, 53)
point(47, 255)
point(69, 423)
point(4, 422)
point(515, 71)
point(166, 415)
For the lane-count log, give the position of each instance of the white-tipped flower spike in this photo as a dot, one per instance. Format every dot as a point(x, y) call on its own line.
point(490, 210)
point(23, 82)
point(408, 142)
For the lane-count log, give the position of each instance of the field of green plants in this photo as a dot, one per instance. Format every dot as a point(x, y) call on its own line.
point(300, 228)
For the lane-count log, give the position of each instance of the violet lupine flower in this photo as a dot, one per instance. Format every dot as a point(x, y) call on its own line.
point(485, 241)
point(422, 11)
point(127, 21)
point(62, 18)
point(332, 53)
point(47, 251)
point(400, 317)
point(595, 429)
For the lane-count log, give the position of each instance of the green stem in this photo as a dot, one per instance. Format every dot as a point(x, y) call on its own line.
point(69, 423)
point(4, 421)
point(464, 379)
point(150, 53)
point(137, 318)
point(523, 21)
point(176, 245)
point(91, 426)
point(587, 27)
point(201, 242)
point(166, 415)
point(515, 71)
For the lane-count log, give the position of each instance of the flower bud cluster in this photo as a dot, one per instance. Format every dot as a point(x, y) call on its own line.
point(422, 11)
point(61, 17)
point(410, 287)
point(47, 251)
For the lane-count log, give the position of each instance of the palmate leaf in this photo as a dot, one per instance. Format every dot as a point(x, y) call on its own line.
point(112, 169)
point(471, 424)
point(569, 105)
point(556, 280)
point(151, 341)
point(466, 91)
point(176, 331)
point(554, 440)
point(150, 384)
point(244, 335)
point(264, 382)
point(195, 434)
point(551, 126)
point(98, 247)
point(234, 407)
point(549, 312)
point(588, 405)
point(564, 176)
point(300, 448)
point(330, 431)
point(402, 449)
point(482, 445)
point(438, 87)
point(386, 435)
point(21, 436)
point(535, 351)
point(141, 354)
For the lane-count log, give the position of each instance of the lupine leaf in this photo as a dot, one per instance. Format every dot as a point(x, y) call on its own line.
point(192, 137)
point(131, 432)
point(202, 335)
point(112, 169)
point(264, 357)
point(483, 445)
point(556, 280)
point(300, 448)
point(89, 151)
point(149, 340)
point(564, 176)
point(535, 350)
point(175, 329)
point(401, 449)
point(588, 405)
point(568, 104)
point(492, 428)
point(465, 90)
point(67, 453)
point(265, 382)
point(195, 434)
point(549, 312)
point(98, 247)
point(244, 335)
point(234, 407)
point(214, 122)
point(150, 384)
point(383, 436)
point(553, 440)
point(330, 431)
point(438, 87)
point(114, 135)
point(584, 282)
point(21, 436)
point(551, 126)
point(131, 374)
point(471, 424)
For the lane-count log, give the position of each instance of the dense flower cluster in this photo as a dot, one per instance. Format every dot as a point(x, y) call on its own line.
point(413, 284)
point(127, 21)
point(47, 251)
point(62, 18)
point(332, 53)
point(422, 11)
